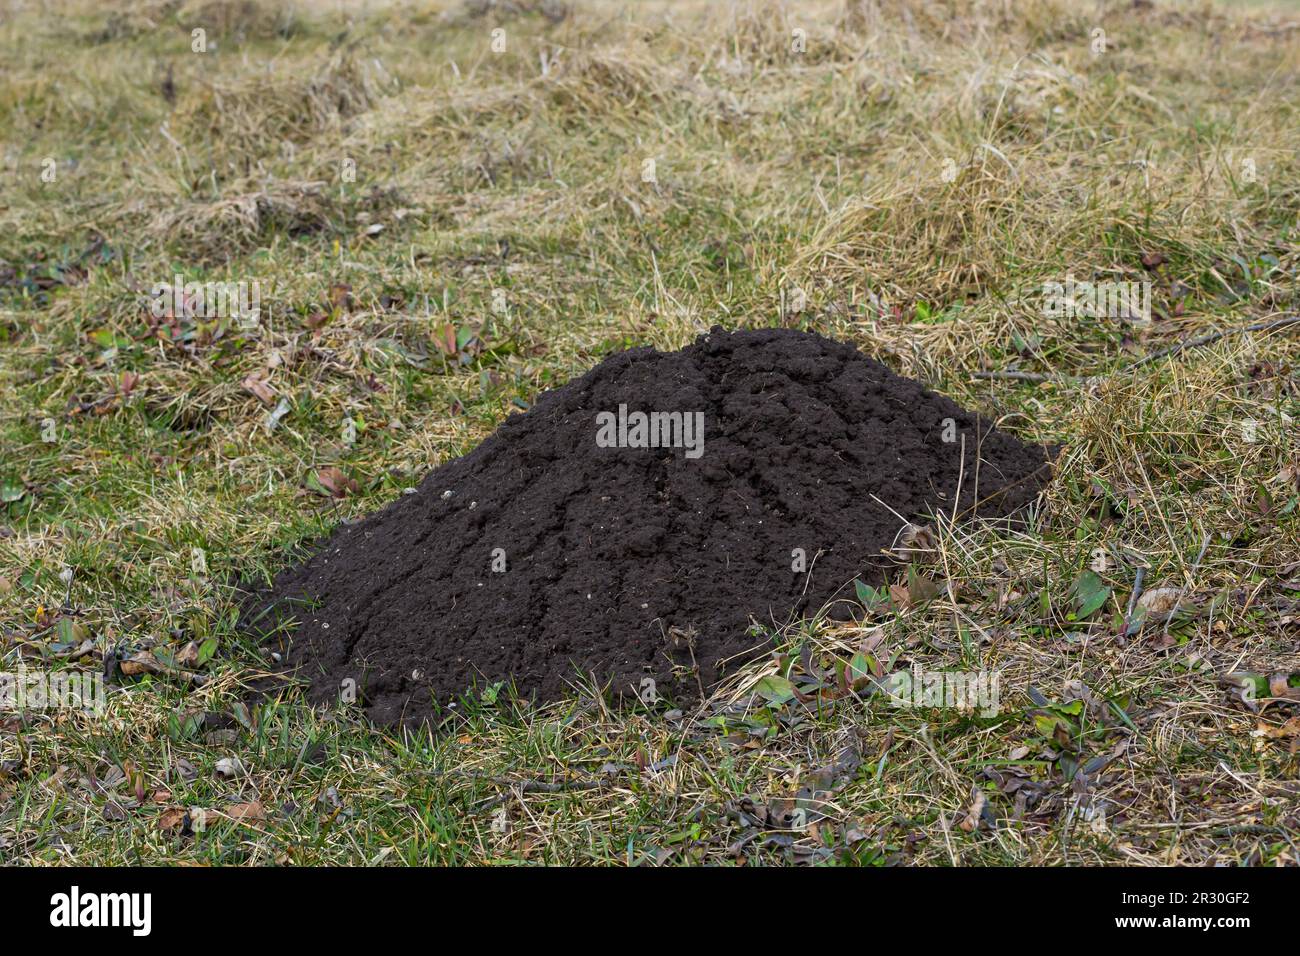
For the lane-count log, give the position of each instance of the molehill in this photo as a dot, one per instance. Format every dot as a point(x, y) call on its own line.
point(637, 522)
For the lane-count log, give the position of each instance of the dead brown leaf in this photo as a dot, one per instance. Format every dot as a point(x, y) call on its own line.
point(1278, 731)
point(140, 663)
point(1287, 731)
point(917, 590)
point(1279, 686)
point(246, 811)
point(335, 483)
point(1160, 600)
point(188, 656)
point(257, 384)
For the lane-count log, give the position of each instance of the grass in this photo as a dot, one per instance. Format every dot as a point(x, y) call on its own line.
point(907, 182)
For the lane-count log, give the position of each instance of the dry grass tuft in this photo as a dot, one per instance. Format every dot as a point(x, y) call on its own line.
point(265, 111)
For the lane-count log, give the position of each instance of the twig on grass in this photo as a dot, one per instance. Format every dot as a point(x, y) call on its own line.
point(524, 786)
point(533, 786)
point(1215, 336)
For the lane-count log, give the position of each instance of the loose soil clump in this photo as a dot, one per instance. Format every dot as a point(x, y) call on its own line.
point(566, 544)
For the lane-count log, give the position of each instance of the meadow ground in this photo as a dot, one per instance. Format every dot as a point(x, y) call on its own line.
point(449, 207)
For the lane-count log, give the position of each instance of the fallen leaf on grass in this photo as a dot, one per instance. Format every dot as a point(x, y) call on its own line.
point(332, 483)
point(869, 597)
point(775, 689)
point(859, 671)
point(246, 811)
point(246, 718)
point(1289, 475)
point(1283, 687)
point(917, 539)
point(257, 384)
point(1288, 731)
point(1275, 731)
point(142, 662)
point(1090, 593)
point(1258, 691)
point(1160, 600)
point(1163, 608)
point(918, 589)
point(188, 656)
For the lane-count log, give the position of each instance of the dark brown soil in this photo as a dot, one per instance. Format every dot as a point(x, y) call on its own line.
point(614, 555)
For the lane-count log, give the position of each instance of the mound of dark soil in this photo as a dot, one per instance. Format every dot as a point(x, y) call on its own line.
point(629, 562)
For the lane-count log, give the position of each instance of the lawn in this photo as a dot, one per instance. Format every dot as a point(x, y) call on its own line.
point(446, 208)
